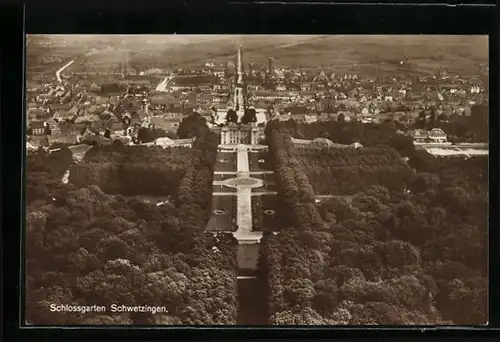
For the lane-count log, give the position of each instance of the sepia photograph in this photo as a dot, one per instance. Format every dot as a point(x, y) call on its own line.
point(261, 180)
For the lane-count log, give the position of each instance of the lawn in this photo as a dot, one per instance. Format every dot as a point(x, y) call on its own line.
point(268, 213)
point(226, 161)
point(223, 177)
point(222, 188)
point(223, 214)
point(255, 165)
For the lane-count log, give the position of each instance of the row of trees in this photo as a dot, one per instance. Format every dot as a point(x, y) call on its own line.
point(133, 170)
point(291, 180)
point(87, 247)
point(194, 198)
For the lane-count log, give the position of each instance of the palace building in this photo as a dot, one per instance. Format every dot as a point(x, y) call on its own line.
point(240, 134)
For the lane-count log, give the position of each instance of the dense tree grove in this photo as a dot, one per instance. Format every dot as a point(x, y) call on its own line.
point(194, 196)
point(95, 248)
point(344, 171)
point(343, 132)
point(470, 173)
point(85, 246)
point(291, 181)
point(191, 126)
point(386, 256)
point(133, 170)
point(249, 116)
point(146, 135)
point(340, 171)
point(45, 171)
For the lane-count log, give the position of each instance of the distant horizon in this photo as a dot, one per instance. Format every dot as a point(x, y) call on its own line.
point(427, 53)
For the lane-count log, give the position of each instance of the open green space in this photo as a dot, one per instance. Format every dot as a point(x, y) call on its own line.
point(223, 177)
point(258, 161)
point(226, 161)
point(223, 216)
point(268, 213)
point(223, 188)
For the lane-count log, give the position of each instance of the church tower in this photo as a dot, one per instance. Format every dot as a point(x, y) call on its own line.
point(239, 87)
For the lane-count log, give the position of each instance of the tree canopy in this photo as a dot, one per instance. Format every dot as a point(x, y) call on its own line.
point(372, 253)
point(86, 246)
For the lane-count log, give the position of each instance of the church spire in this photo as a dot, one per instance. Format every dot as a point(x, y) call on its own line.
point(240, 67)
point(239, 90)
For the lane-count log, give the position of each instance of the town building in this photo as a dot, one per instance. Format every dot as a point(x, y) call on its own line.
point(37, 128)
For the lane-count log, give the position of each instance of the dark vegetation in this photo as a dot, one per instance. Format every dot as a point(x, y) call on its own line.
point(459, 128)
point(349, 170)
point(226, 161)
point(266, 220)
point(133, 170)
point(249, 116)
point(226, 219)
point(146, 135)
point(253, 159)
point(342, 132)
point(191, 126)
point(388, 256)
point(87, 247)
point(45, 171)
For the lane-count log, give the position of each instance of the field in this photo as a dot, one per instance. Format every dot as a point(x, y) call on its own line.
point(255, 165)
point(268, 213)
point(225, 218)
point(341, 53)
point(226, 161)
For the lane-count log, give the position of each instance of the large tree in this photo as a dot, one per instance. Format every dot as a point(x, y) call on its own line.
point(249, 116)
point(231, 116)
